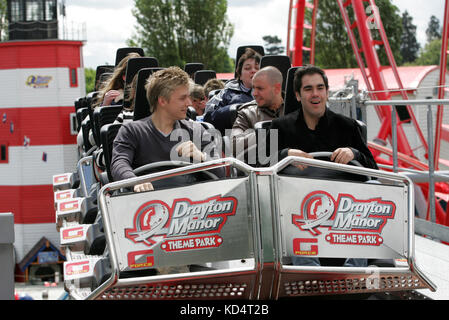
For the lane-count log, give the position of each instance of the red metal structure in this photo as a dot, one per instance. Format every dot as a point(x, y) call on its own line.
point(295, 49)
point(443, 67)
point(370, 67)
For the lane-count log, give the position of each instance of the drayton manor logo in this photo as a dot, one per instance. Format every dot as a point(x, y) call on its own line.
point(319, 209)
point(155, 220)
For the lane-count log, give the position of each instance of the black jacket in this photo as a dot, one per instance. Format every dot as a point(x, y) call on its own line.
point(218, 107)
point(333, 131)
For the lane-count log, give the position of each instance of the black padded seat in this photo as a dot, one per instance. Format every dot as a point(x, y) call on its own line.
point(142, 106)
point(99, 72)
point(281, 62)
point(290, 101)
point(192, 67)
point(104, 115)
point(202, 76)
point(108, 133)
point(123, 52)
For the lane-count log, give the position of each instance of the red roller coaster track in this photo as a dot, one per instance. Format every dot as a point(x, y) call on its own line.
point(369, 64)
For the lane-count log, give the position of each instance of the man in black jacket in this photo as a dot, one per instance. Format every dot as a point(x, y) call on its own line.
point(315, 128)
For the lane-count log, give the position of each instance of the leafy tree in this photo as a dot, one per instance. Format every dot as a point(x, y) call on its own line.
point(409, 44)
point(272, 45)
point(430, 55)
point(89, 74)
point(332, 46)
point(433, 30)
point(180, 31)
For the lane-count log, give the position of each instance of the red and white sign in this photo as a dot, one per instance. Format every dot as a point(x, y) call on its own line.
point(72, 233)
point(347, 214)
point(192, 243)
point(155, 221)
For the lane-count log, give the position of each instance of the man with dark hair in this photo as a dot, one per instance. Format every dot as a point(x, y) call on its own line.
point(315, 128)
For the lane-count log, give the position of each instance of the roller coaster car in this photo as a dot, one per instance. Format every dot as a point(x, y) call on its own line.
point(234, 238)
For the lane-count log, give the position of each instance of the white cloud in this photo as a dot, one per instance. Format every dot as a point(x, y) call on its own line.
point(421, 11)
point(252, 22)
point(110, 23)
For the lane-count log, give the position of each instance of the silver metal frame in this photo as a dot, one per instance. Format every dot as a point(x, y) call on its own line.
point(432, 176)
point(367, 172)
point(259, 234)
point(115, 280)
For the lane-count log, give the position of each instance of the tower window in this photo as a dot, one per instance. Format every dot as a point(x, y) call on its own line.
point(16, 12)
point(3, 153)
point(34, 11)
point(73, 77)
point(50, 10)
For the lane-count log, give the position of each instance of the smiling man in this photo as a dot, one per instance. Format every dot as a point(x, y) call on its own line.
point(315, 128)
point(154, 139)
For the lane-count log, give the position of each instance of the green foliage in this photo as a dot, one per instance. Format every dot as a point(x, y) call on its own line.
point(180, 31)
point(433, 30)
point(272, 45)
point(430, 55)
point(409, 44)
point(89, 74)
point(333, 48)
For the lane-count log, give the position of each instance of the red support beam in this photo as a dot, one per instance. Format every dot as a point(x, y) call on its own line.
point(443, 67)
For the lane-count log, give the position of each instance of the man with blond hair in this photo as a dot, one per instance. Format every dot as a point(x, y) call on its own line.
point(156, 138)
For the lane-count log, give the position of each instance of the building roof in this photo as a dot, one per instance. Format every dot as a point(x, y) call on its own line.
point(411, 76)
point(32, 255)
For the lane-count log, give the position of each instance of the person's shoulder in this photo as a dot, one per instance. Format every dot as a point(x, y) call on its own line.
point(340, 119)
point(189, 124)
point(248, 106)
point(287, 118)
point(233, 84)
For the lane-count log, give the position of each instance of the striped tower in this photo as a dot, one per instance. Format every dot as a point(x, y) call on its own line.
point(39, 82)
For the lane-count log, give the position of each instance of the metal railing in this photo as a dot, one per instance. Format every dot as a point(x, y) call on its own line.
point(424, 227)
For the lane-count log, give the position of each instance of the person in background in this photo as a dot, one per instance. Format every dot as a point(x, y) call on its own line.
point(268, 104)
point(235, 92)
point(111, 91)
point(198, 100)
point(212, 87)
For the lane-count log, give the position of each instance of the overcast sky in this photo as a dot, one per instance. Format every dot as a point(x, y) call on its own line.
point(109, 23)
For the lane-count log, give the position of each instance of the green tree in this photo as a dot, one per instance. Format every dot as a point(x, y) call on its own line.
point(180, 31)
point(430, 55)
point(89, 75)
point(272, 45)
point(433, 30)
point(3, 21)
point(409, 44)
point(332, 46)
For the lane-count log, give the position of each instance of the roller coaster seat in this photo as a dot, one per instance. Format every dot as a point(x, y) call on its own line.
point(201, 76)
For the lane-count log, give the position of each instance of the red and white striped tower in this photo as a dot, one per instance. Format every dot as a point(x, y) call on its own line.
point(39, 82)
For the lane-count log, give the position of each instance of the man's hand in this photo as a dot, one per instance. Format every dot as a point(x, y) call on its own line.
point(146, 186)
point(299, 153)
point(342, 155)
point(189, 150)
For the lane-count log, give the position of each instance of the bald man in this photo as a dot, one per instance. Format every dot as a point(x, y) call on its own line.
point(267, 105)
